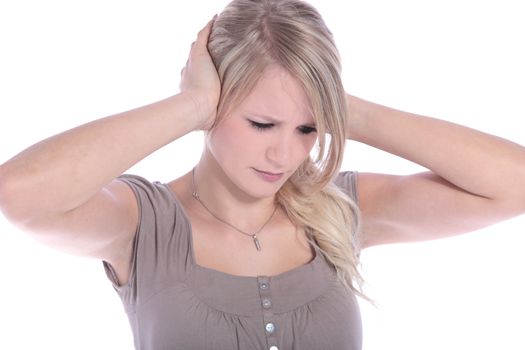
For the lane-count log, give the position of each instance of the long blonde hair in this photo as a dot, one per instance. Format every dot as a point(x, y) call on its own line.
point(246, 38)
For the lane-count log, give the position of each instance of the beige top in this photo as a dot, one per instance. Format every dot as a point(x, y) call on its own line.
point(173, 303)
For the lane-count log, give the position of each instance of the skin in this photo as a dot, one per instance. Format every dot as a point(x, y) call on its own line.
point(473, 182)
point(271, 130)
point(473, 179)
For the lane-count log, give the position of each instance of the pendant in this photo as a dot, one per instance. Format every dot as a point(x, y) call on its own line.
point(257, 244)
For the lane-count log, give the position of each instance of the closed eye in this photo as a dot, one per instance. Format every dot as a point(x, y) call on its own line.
point(307, 129)
point(260, 126)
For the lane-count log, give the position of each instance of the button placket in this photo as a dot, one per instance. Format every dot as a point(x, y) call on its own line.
point(266, 303)
point(269, 325)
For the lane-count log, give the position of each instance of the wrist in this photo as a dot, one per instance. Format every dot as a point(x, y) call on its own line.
point(202, 115)
point(356, 120)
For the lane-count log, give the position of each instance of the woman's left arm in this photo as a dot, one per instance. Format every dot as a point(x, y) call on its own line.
point(475, 179)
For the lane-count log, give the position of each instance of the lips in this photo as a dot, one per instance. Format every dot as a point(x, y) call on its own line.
point(268, 173)
point(268, 176)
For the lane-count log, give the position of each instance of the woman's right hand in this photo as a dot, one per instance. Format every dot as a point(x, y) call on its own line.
point(200, 81)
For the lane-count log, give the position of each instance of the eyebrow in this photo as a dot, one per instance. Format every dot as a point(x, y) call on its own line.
point(275, 121)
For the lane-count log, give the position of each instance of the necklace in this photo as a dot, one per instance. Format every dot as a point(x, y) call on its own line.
point(253, 235)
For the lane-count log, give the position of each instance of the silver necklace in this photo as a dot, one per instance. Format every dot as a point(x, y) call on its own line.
point(253, 235)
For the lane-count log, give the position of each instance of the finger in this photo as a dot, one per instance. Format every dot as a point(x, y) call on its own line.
point(207, 28)
point(204, 33)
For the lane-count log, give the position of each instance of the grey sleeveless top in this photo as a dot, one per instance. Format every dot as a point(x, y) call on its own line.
point(173, 303)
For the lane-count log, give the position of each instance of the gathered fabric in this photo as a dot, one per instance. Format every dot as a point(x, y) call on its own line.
point(174, 303)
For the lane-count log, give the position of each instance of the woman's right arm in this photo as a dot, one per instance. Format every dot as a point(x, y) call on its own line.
point(63, 189)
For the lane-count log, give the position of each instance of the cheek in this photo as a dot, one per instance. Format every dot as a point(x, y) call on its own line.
point(308, 143)
point(228, 140)
point(311, 141)
point(301, 149)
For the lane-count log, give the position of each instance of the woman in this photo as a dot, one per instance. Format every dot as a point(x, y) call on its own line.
point(255, 248)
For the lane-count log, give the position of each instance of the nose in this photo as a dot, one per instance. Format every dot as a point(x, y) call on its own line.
point(279, 151)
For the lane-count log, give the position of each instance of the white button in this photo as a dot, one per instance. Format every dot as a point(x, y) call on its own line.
point(273, 348)
point(266, 303)
point(263, 285)
point(270, 327)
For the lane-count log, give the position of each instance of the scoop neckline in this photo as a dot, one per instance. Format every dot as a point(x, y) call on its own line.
point(195, 265)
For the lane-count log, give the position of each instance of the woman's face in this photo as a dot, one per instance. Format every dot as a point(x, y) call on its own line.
point(263, 141)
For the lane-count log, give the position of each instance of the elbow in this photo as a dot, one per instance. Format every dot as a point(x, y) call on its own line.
point(509, 192)
point(7, 206)
point(509, 206)
point(514, 199)
point(11, 205)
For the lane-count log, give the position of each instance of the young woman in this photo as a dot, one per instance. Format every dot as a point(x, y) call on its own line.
point(258, 245)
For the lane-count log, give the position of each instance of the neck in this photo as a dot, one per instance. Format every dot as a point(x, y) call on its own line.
point(227, 201)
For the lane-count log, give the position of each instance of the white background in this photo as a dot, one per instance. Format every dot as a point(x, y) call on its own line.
point(64, 63)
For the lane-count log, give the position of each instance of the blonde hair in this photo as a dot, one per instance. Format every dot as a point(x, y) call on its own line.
point(246, 38)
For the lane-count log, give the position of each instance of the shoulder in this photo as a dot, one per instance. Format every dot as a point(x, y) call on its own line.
point(153, 194)
point(347, 181)
point(160, 222)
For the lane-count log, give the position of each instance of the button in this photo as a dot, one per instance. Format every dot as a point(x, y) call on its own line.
point(266, 303)
point(264, 285)
point(273, 348)
point(270, 327)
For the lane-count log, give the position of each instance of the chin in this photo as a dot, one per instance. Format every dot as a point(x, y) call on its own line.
point(256, 187)
point(261, 190)
point(272, 192)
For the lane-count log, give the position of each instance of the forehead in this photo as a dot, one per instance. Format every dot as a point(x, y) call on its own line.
point(278, 95)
